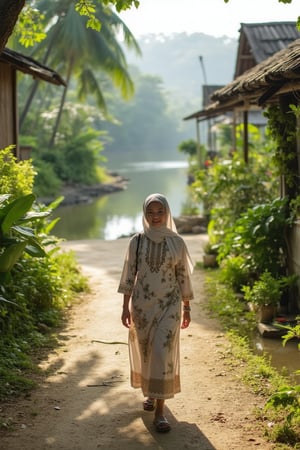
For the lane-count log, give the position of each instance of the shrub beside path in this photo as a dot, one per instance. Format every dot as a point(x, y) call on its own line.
point(85, 401)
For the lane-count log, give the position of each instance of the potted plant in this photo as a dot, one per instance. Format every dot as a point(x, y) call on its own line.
point(264, 296)
point(210, 255)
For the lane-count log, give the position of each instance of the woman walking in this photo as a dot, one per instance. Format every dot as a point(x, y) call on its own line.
point(156, 289)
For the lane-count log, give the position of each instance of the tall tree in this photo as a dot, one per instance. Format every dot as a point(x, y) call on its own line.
point(78, 52)
point(10, 11)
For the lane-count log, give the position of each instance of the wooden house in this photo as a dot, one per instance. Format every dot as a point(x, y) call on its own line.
point(257, 42)
point(10, 63)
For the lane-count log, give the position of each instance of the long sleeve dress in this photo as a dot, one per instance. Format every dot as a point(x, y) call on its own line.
point(157, 284)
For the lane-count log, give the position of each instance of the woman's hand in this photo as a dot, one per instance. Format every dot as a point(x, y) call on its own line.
point(126, 317)
point(186, 319)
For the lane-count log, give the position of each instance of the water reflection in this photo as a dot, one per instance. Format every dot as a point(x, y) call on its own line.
point(114, 215)
point(281, 357)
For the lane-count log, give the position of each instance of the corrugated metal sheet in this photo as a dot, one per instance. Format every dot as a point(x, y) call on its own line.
point(259, 41)
point(268, 38)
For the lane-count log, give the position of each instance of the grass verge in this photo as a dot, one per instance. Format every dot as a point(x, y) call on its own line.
point(281, 414)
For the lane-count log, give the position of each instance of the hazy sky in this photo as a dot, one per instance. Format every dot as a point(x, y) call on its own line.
point(213, 17)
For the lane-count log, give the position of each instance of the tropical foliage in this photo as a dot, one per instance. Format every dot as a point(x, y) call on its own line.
point(229, 186)
point(79, 51)
point(260, 236)
point(251, 233)
point(37, 279)
point(15, 237)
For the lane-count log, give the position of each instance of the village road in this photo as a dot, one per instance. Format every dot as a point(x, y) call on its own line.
point(85, 401)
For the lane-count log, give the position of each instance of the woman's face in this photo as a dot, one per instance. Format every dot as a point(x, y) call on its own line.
point(156, 214)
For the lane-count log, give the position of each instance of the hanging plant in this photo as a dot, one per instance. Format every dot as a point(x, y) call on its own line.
point(282, 129)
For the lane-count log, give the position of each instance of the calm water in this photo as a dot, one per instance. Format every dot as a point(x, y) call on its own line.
point(117, 214)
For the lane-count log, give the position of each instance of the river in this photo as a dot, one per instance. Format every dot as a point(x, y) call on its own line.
point(111, 216)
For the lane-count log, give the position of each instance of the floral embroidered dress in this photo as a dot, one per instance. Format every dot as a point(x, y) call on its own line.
point(157, 276)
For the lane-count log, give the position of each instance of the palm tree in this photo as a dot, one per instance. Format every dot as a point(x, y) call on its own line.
point(78, 52)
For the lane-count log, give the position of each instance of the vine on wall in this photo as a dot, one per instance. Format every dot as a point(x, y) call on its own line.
point(283, 130)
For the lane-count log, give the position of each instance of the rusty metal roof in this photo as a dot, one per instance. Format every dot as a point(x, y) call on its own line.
point(30, 66)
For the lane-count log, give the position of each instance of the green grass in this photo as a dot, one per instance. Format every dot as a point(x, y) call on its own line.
point(281, 415)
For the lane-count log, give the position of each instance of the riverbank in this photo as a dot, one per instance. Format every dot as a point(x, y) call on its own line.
point(85, 401)
point(80, 193)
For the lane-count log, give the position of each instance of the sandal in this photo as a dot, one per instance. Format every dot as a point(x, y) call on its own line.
point(149, 404)
point(161, 424)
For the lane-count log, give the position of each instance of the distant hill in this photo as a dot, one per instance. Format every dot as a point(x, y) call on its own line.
point(175, 58)
point(152, 124)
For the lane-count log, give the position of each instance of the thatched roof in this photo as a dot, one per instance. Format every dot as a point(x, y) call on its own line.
point(30, 66)
point(258, 86)
point(278, 73)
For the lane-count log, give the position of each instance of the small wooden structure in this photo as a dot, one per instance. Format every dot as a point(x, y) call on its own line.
point(10, 63)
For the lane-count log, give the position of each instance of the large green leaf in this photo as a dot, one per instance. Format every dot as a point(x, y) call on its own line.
point(25, 232)
point(10, 255)
point(34, 215)
point(35, 250)
point(15, 210)
point(51, 225)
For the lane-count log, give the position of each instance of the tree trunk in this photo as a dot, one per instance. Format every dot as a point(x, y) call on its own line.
point(9, 13)
point(35, 85)
point(62, 102)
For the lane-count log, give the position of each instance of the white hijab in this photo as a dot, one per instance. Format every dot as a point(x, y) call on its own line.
point(167, 231)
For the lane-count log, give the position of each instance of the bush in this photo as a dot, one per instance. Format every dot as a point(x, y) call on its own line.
point(234, 272)
point(39, 286)
point(230, 186)
point(259, 235)
point(16, 177)
point(33, 291)
point(46, 182)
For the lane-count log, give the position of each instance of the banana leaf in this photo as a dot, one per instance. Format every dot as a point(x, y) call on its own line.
point(10, 255)
point(15, 210)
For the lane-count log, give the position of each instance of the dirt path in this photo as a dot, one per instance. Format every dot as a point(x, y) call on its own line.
point(86, 403)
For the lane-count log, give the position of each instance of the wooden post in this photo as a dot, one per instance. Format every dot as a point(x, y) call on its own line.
point(234, 131)
point(198, 144)
point(245, 143)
